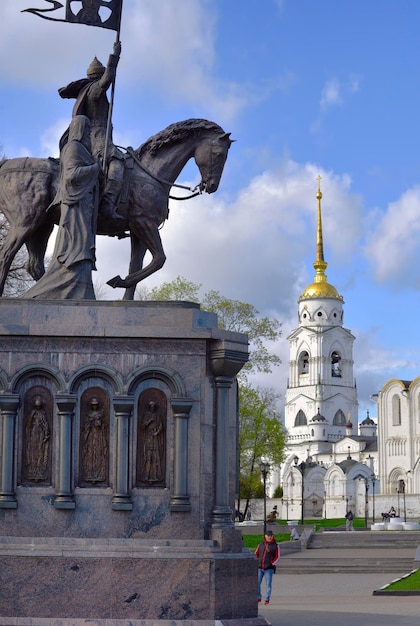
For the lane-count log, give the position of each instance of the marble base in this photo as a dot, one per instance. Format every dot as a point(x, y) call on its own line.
point(18, 621)
point(72, 552)
point(125, 579)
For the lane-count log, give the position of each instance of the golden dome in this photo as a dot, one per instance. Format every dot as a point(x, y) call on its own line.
point(320, 288)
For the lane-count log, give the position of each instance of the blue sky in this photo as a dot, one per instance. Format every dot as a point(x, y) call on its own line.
point(306, 88)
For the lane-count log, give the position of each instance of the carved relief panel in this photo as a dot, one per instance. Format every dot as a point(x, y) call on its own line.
point(151, 439)
point(37, 436)
point(94, 438)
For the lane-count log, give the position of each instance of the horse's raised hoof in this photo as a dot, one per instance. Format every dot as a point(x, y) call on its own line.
point(117, 281)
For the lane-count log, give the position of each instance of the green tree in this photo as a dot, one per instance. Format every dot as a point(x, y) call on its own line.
point(233, 315)
point(278, 492)
point(178, 289)
point(261, 435)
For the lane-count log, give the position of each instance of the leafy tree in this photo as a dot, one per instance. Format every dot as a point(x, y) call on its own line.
point(233, 315)
point(178, 289)
point(261, 435)
point(278, 492)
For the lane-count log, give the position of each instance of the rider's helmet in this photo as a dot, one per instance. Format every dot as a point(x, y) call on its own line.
point(95, 69)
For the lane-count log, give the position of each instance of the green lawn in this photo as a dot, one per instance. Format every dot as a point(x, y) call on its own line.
point(251, 541)
point(409, 583)
point(358, 522)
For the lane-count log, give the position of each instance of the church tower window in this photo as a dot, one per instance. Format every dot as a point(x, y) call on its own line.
point(304, 362)
point(335, 364)
point(339, 418)
point(300, 418)
point(396, 410)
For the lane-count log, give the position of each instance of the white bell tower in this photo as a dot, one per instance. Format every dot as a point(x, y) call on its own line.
point(321, 396)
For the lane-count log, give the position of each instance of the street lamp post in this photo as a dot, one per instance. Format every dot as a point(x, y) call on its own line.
point(301, 467)
point(265, 468)
point(366, 479)
point(373, 479)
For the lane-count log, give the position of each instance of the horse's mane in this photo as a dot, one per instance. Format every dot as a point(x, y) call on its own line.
point(177, 132)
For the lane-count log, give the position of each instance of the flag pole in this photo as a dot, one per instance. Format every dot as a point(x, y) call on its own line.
point(111, 104)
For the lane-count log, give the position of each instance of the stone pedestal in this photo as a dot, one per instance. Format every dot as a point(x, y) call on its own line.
point(118, 433)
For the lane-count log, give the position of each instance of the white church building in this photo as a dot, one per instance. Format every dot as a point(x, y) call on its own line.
point(333, 463)
point(399, 442)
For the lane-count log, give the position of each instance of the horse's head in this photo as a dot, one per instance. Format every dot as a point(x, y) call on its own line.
point(210, 156)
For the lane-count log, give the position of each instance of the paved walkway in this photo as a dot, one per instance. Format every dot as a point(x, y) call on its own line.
point(337, 599)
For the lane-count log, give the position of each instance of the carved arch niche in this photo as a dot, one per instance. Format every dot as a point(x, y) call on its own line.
point(396, 410)
point(151, 439)
point(37, 436)
point(94, 438)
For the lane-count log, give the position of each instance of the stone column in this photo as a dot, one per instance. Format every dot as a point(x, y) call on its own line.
point(121, 501)
point(64, 498)
point(8, 409)
point(226, 362)
point(180, 500)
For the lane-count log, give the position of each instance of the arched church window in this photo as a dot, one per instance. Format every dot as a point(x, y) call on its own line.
point(396, 410)
point(300, 418)
point(304, 362)
point(335, 364)
point(339, 418)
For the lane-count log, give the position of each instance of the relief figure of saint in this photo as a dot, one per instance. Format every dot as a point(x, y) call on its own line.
point(37, 433)
point(94, 445)
point(153, 438)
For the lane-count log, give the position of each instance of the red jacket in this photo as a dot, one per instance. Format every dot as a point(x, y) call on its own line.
point(267, 553)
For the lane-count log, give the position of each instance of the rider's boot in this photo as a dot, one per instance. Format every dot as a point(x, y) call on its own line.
point(109, 204)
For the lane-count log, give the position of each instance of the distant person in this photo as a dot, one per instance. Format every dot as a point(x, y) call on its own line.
point(294, 535)
point(387, 516)
point(349, 520)
point(271, 517)
point(267, 553)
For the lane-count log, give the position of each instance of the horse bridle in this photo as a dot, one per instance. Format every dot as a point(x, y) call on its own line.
point(162, 181)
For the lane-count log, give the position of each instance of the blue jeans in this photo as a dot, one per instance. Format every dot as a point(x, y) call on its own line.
point(268, 573)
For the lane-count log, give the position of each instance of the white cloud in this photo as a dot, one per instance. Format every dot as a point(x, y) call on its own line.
point(375, 365)
point(167, 47)
point(330, 94)
point(253, 248)
point(335, 92)
point(394, 243)
point(51, 137)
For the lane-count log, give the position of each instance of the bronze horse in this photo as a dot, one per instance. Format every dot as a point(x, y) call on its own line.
point(28, 185)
